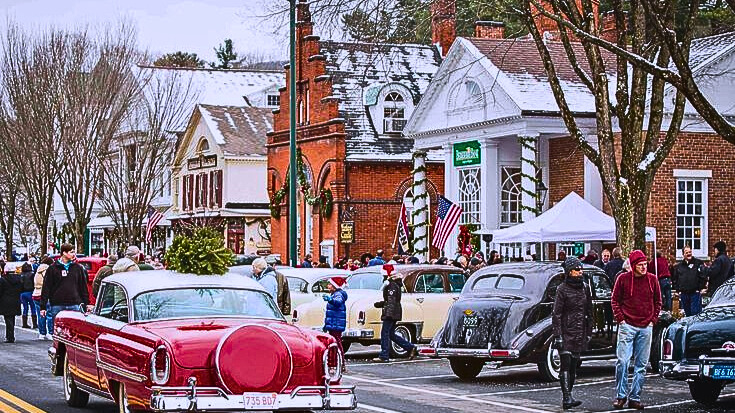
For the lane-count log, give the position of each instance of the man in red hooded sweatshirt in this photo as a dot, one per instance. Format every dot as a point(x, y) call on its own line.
point(636, 303)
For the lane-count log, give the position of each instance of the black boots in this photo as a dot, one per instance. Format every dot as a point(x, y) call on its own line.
point(34, 320)
point(25, 321)
point(567, 382)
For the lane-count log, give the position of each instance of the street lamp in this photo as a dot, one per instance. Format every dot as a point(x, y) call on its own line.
point(292, 252)
point(541, 191)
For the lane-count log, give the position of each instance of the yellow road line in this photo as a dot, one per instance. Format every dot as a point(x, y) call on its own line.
point(4, 408)
point(18, 402)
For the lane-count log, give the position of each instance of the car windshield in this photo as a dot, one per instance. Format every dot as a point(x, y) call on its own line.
point(724, 295)
point(365, 281)
point(203, 302)
point(491, 282)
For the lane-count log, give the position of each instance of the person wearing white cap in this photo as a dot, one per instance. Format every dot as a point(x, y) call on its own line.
point(335, 319)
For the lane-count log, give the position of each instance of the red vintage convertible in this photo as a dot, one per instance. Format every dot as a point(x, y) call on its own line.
point(164, 341)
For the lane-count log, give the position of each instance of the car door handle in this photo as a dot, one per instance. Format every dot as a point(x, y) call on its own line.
point(420, 300)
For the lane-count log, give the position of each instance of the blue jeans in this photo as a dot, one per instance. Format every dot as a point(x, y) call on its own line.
point(26, 299)
point(388, 333)
point(633, 342)
point(665, 284)
point(45, 324)
point(56, 309)
point(691, 303)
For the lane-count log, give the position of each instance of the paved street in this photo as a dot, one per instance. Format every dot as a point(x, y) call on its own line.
point(419, 386)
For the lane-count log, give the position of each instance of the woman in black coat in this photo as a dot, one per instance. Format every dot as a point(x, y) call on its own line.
point(571, 326)
point(10, 288)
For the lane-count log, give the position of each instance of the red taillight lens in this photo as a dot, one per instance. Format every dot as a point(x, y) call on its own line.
point(427, 351)
point(667, 350)
point(499, 353)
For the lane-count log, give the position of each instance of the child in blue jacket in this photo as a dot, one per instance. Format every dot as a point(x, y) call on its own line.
point(335, 319)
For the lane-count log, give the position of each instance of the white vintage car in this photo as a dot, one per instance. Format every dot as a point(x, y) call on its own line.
point(309, 284)
point(429, 291)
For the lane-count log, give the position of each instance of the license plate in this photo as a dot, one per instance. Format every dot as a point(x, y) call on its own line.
point(720, 372)
point(471, 322)
point(259, 401)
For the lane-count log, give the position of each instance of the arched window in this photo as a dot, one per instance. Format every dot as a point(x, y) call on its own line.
point(301, 112)
point(394, 113)
point(469, 195)
point(473, 93)
point(510, 196)
point(203, 145)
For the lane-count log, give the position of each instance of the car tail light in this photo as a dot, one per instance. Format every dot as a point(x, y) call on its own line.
point(295, 316)
point(333, 363)
point(427, 351)
point(160, 365)
point(361, 318)
point(667, 349)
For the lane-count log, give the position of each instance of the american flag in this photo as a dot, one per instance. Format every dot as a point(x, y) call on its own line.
point(447, 216)
point(154, 217)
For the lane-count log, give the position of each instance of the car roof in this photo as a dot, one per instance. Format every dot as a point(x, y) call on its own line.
point(137, 282)
point(537, 272)
point(406, 268)
point(312, 274)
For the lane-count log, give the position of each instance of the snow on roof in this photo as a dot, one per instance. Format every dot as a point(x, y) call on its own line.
point(705, 49)
point(239, 130)
point(355, 66)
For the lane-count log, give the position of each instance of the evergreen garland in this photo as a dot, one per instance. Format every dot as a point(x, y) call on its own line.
point(323, 199)
point(202, 253)
point(527, 142)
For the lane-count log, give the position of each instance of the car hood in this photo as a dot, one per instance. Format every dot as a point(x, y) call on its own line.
point(492, 315)
point(194, 342)
point(709, 330)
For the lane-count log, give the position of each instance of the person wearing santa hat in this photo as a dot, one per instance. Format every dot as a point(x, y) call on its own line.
point(335, 319)
point(391, 314)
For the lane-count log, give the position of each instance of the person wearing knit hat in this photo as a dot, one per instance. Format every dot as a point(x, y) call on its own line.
point(571, 326)
point(102, 273)
point(636, 303)
point(392, 312)
point(335, 318)
point(720, 270)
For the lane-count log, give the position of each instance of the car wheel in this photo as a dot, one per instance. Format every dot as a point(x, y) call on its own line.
point(73, 396)
point(550, 364)
point(396, 350)
point(466, 369)
point(705, 391)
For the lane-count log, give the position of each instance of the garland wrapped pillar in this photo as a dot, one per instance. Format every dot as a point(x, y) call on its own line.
point(420, 214)
point(529, 166)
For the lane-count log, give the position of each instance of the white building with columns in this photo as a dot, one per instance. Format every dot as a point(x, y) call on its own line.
point(491, 110)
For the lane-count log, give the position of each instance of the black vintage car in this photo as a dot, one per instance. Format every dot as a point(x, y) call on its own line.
point(504, 316)
point(701, 349)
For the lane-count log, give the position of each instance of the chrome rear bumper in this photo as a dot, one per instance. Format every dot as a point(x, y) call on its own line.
point(485, 353)
point(689, 369)
point(213, 399)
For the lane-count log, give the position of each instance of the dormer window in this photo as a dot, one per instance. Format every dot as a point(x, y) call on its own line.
point(394, 113)
point(274, 100)
point(203, 145)
point(473, 93)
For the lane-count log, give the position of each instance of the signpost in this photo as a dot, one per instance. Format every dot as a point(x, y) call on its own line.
point(347, 232)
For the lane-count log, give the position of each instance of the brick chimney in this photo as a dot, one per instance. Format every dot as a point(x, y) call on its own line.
point(548, 27)
point(443, 24)
point(609, 30)
point(489, 30)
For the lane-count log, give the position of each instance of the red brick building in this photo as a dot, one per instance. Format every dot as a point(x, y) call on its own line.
point(353, 100)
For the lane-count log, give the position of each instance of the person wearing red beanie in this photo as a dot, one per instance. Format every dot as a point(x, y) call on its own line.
point(636, 303)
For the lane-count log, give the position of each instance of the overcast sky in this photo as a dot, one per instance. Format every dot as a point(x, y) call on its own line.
point(163, 25)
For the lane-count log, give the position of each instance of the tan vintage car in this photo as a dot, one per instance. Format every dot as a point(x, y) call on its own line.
point(429, 291)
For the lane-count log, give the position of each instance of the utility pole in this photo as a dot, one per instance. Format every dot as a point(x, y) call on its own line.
point(292, 250)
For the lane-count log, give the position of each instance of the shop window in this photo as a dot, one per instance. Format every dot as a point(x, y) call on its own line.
point(510, 196)
point(691, 215)
point(469, 195)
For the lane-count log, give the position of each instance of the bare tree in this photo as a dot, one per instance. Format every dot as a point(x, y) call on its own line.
point(9, 190)
point(100, 89)
point(25, 228)
point(31, 113)
point(139, 155)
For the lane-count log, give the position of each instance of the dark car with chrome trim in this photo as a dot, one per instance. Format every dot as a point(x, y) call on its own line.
point(701, 349)
point(503, 316)
point(169, 342)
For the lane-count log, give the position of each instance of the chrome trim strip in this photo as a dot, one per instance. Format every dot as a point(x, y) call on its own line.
point(122, 372)
point(96, 392)
point(74, 345)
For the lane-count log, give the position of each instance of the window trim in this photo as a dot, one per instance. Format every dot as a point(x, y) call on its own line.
point(463, 219)
point(704, 177)
point(519, 212)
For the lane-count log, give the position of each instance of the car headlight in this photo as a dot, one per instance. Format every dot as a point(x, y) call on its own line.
point(160, 365)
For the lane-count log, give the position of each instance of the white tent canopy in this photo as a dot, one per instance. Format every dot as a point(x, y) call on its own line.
point(571, 219)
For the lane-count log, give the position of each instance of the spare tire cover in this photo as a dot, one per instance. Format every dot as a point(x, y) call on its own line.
point(253, 358)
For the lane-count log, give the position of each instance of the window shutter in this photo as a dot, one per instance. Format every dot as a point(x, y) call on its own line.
point(212, 189)
point(184, 193)
point(197, 190)
point(205, 191)
point(219, 188)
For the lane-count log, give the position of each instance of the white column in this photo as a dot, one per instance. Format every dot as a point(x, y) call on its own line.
point(592, 180)
point(451, 192)
point(490, 186)
point(420, 207)
point(529, 152)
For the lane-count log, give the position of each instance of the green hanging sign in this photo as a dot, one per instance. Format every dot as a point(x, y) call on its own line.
point(466, 153)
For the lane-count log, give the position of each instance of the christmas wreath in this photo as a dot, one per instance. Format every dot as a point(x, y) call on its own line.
point(323, 199)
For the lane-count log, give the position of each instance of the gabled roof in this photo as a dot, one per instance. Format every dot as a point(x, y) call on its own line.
point(239, 130)
point(707, 49)
point(353, 67)
point(224, 86)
